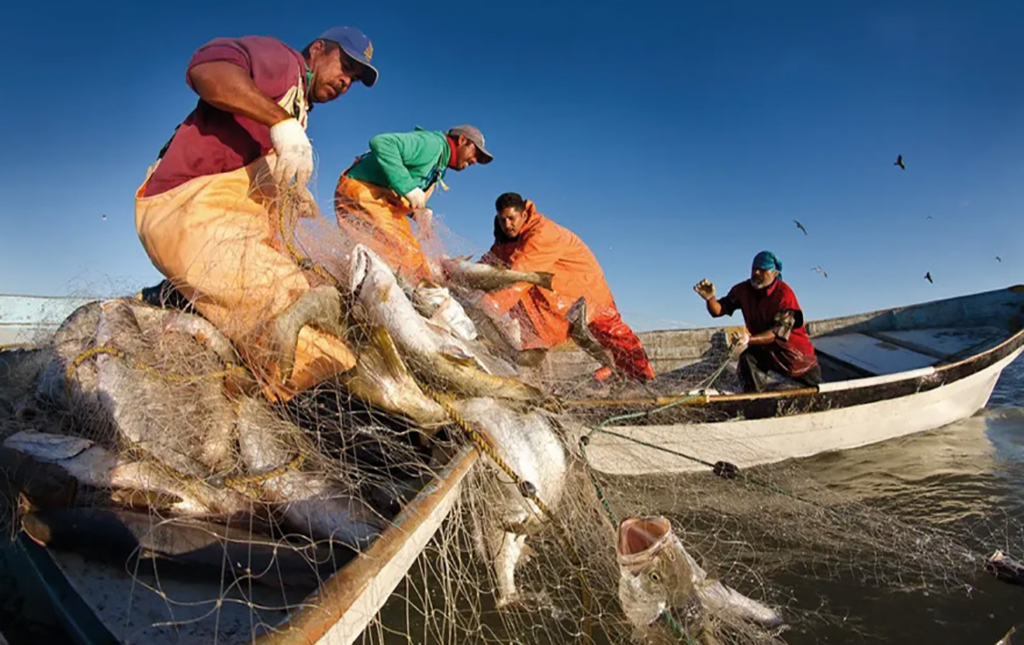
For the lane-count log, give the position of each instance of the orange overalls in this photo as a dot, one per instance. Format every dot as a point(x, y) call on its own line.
point(543, 245)
point(379, 218)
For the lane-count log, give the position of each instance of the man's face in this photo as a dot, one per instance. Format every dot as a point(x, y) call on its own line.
point(465, 153)
point(762, 278)
point(333, 72)
point(511, 221)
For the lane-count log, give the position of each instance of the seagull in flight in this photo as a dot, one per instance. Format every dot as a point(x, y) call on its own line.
point(818, 269)
point(999, 259)
point(104, 217)
point(899, 162)
point(928, 277)
point(800, 226)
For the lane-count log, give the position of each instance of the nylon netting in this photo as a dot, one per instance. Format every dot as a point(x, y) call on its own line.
point(142, 453)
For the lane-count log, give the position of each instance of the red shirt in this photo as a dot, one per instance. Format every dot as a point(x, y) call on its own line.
point(211, 141)
point(760, 308)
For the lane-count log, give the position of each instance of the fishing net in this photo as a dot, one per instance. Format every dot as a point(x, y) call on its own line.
point(150, 463)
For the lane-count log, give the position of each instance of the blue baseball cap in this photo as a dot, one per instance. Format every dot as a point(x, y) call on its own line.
point(358, 47)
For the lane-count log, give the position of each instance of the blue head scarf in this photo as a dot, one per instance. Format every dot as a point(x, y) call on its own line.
point(767, 261)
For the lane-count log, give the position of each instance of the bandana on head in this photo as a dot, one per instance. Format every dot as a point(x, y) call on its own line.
point(767, 261)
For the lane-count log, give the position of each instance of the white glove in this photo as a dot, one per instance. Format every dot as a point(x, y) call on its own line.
point(742, 340)
point(294, 154)
point(417, 199)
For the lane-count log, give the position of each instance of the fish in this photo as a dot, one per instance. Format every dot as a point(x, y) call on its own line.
point(191, 543)
point(1008, 639)
point(485, 277)
point(528, 444)
point(431, 355)
point(94, 465)
point(381, 379)
point(310, 503)
point(657, 575)
point(800, 226)
point(899, 162)
point(20, 369)
point(148, 408)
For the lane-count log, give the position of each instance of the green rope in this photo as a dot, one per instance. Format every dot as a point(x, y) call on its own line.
point(666, 615)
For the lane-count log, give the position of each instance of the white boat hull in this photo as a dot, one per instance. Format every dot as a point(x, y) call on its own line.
point(747, 443)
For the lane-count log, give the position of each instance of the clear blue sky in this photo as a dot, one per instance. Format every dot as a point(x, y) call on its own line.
point(676, 138)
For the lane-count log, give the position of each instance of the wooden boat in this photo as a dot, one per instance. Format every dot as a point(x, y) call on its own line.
point(887, 374)
point(103, 602)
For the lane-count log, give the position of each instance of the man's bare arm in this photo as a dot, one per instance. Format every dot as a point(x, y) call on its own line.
point(228, 87)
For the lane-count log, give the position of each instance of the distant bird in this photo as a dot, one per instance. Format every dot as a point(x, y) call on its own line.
point(999, 259)
point(928, 218)
point(800, 226)
point(104, 218)
point(818, 269)
point(899, 162)
point(928, 277)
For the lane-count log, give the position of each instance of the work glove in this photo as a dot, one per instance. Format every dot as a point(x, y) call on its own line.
point(417, 199)
point(294, 162)
point(705, 289)
point(740, 342)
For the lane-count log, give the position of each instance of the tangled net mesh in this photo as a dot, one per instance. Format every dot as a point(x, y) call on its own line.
point(211, 511)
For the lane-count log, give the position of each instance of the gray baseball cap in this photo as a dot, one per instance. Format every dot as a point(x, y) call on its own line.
point(477, 137)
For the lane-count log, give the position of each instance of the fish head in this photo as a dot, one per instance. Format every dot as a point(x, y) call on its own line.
point(654, 572)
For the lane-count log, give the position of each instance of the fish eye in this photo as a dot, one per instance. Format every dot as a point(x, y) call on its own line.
point(654, 576)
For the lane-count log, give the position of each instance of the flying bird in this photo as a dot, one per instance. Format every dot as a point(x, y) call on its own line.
point(104, 217)
point(899, 162)
point(818, 269)
point(999, 259)
point(800, 226)
point(928, 277)
point(928, 218)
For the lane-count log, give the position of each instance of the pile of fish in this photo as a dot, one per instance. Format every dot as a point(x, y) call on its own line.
point(156, 418)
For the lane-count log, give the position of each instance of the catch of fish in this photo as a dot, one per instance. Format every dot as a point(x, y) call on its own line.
point(159, 416)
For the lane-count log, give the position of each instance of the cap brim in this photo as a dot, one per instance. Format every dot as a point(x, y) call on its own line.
point(483, 157)
point(369, 75)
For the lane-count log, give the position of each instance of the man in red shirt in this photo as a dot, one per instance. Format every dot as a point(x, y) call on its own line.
point(208, 211)
point(775, 337)
point(579, 303)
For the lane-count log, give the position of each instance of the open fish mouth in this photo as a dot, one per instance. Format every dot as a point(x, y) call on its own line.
point(640, 539)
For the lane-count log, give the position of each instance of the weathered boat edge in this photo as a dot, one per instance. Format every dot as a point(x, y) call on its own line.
point(350, 599)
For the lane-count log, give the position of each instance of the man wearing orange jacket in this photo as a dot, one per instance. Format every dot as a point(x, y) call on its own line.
point(579, 304)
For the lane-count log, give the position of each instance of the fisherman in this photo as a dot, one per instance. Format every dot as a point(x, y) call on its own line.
point(207, 213)
point(578, 305)
point(774, 337)
point(389, 185)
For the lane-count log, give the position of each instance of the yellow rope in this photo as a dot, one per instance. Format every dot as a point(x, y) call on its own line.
point(245, 483)
point(230, 368)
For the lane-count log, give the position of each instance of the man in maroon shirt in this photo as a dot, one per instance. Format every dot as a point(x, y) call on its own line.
point(207, 213)
point(775, 337)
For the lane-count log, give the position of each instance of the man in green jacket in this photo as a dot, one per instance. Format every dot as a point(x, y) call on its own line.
point(390, 184)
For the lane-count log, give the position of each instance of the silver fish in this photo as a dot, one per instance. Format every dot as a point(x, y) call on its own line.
point(1008, 639)
point(94, 465)
point(311, 503)
point(431, 355)
point(657, 575)
point(530, 446)
point(381, 379)
point(476, 275)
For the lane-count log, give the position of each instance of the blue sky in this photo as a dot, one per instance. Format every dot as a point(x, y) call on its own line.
point(676, 138)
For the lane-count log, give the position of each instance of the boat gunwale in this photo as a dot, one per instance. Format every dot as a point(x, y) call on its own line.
point(821, 400)
point(328, 604)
